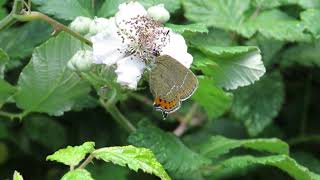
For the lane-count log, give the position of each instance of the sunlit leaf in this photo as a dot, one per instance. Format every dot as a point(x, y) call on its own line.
point(72, 155)
point(308, 17)
point(78, 174)
point(201, 28)
point(135, 158)
point(17, 176)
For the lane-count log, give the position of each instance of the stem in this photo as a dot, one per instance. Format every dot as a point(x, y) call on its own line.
point(13, 116)
point(183, 126)
point(304, 139)
point(87, 161)
point(58, 27)
point(142, 99)
point(9, 20)
point(116, 114)
point(306, 105)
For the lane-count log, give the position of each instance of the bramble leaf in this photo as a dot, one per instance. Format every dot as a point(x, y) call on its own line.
point(166, 147)
point(6, 91)
point(219, 145)
point(17, 176)
point(230, 67)
point(181, 28)
point(72, 155)
point(46, 84)
point(257, 105)
point(213, 99)
point(308, 17)
point(78, 174)
point(135, 158)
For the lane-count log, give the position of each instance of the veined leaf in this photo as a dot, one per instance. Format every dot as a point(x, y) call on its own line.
point(67, 9)
point(17, 176)
point(20, 42)
point(78, 174)
point(309, 17)
point(166, 147)
point(238, 16)
point(213, 99)
point(219, 145)
point(46, 84)
point(135, 158)
point(231, 67)
point(215, 37)
point(266, 4)
point(283, 162)
point(257, 105)
point(201, 28)
point(3, 11)
point(72, 155)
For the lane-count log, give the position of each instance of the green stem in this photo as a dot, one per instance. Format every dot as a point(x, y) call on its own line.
point(87, 161)
point(9, 20)
point(184, 122)
point(13, 116)
point(58, 27)
point(116, 114)
point(304, 139)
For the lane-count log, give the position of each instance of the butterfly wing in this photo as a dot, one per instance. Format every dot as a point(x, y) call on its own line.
point(170, 83)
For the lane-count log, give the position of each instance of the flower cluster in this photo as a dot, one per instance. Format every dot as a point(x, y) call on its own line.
point(132, 39)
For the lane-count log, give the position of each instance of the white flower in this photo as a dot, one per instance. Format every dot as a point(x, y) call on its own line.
point(81, 61)
point(81, 25)
point(159, 13)
point(133, 39)
point(98, 25)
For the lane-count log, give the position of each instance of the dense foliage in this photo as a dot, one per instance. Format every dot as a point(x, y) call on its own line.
point(246, 120)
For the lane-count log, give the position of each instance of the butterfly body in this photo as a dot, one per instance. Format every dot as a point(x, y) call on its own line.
point(171, 83)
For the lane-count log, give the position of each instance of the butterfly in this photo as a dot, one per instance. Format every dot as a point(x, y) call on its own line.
point(170, 84)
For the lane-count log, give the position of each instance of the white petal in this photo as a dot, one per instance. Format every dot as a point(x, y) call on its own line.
point(106, 46)
point(177, 48)
point(129, 10)
point(129, 71)
point(99, 25)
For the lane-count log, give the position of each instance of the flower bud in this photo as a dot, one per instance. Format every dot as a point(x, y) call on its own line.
point(81, 61)
point(81, 25)
point(159, 13)
point(98, 25)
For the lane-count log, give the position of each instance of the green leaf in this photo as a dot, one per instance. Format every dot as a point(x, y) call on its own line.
point(109, 8)
point(6, 91)
point(45, 131)
point(214, 37)
point(4, 58)
point(308, 160)
point(72, 155)
point(67, 9)
point(283, 162)
point(308, 17)
point(3, 11)
point(266, 4)
point(20, 42)
point(269, 48)
point(213, 99)
point(178, 159)
point(170, 5)
point(17, 176)
point(55, 89)
point(231, 67)
point(219, 145)
point(303, 54)
point(135, 158)
point(276, 24)
point(257, 113)
point(237, 15)
point(200, 28)
point(78, 174)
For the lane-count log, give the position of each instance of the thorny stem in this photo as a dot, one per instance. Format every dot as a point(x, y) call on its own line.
point(9, 20)
point(87, 161)
point(116, 114)
point(183, 126)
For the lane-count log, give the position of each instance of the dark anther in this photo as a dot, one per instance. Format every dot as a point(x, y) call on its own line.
point(155, 52)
